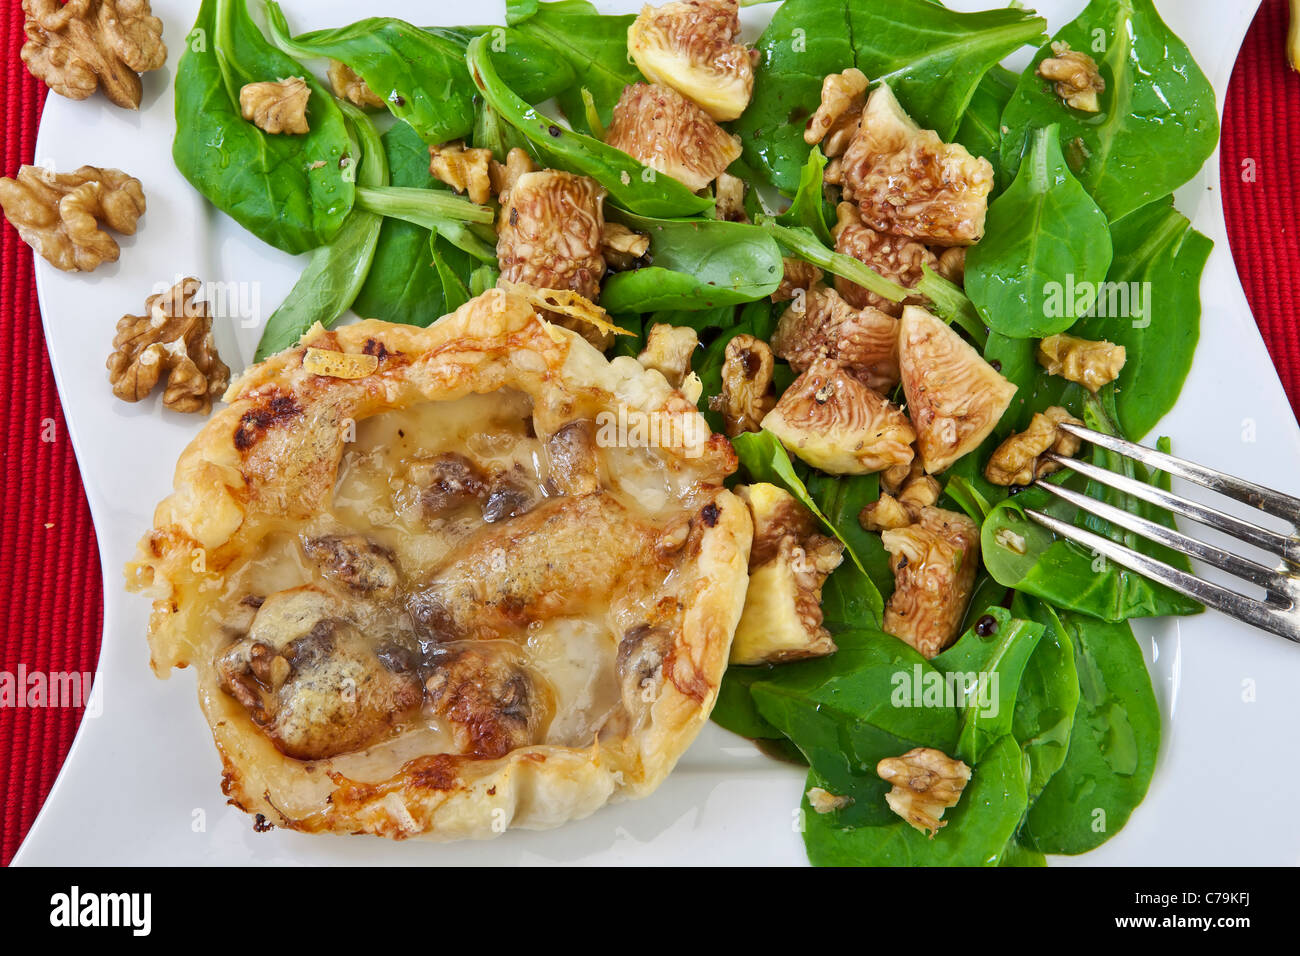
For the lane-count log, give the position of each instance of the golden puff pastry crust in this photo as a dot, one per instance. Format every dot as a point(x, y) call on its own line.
point(543, 649)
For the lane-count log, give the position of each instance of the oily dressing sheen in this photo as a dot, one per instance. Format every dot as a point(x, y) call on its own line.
point(456, 595)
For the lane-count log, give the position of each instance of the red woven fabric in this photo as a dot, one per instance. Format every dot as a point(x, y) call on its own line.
point(54, 612)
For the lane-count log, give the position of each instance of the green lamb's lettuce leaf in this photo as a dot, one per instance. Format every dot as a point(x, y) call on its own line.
point(1157, 123)
point(292, 192)
point(1044, 237)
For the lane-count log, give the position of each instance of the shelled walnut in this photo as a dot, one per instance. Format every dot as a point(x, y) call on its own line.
point(59, 214)
point(926, 782)
point(464, 170)
point(84, 45)
point(1083, 361)
point(838, 113)
point(746, 397)
point(172, 340)
point(349, 85)
point(277, 107)
point(1075, 74)
point(1016, 460)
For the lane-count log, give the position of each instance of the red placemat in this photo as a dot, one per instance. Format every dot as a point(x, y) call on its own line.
point(54, 612)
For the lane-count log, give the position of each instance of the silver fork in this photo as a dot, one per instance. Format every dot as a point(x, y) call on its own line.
point(1278, 611)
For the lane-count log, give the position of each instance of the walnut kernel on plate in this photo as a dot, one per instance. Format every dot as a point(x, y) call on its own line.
point(172, 341)
point(59, 214)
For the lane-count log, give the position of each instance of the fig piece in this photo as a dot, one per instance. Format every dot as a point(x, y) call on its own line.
point(934, 561)
point(789, 563)
point(667, 132)
point(909, 182)
point(954, 397)
point(832, 421)
point(690, 46)
point(820, 324)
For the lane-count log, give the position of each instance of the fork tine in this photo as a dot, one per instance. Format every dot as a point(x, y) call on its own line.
point(1257, 496)
point(1234, 564)
point(1257, 613)
point(1271, 541)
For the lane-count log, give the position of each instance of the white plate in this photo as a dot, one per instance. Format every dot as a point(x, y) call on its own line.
point(141, 782)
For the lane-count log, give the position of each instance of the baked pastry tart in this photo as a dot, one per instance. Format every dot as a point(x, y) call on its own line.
point(440, 582)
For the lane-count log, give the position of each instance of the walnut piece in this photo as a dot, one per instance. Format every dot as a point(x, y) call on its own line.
point(58, 214)
point(464, 170)
point(1077, 79)
point(667, 132)
point(690, 46)
point(952, 264)
point(1087, 363)
point(549, 237)
point(894, 257)
point(788, 565)
point(822, 325)
point(278, 106)
point(836, 120)
point(797, 276)
point(668, 350)
point(505, 175)
point(729, 198)
point(823, 801)
point(908, 182)
point(746, 396)
point(172, 339)
point(934, 561)
point(832, 421)
point(621, 246)
point(349, 85)
point(891, 512)
point(926, 782)
point(84, 44)
point(1015, 461)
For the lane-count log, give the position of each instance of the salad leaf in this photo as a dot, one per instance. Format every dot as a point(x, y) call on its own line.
point(844, 715)
point(403, 285)
point(595, 47)
point(336, 271)
point(635, 187)
point(803, 243)
point(698, 264)
point(993, 666)
point(1159, 257)
point(978, 831)
point(1113, 743)
point(810, 208)
point(980, 130)
point(1158, 122)
point(1047, 697)
point(1044, 238)
point(420, 74)
point(519, 11)
point(292, 192)
point(932, 57)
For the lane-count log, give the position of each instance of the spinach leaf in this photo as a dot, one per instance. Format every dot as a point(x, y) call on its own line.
point(980, 130)
point(292, 192)
point(698, 264)
point(633, 186)
point(1048, 696)
point(736, 710)
point(988, 671)
point(841, 499)
point(1159, 258)
point(403, 285)
point(420, 74)
point(1157, 123)
point(766, 459)
point(595, 48)
point(810, 208)
point(335, 273)
point(932, 57)
point(518, 11)
point(849, 711)
point(1044, 238)
point(978, 831)
point(1068, 575)
point(1113, 743)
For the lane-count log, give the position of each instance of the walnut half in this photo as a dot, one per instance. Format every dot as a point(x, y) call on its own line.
point(926, 782)
point(277, 107)
point(1082, 361)
point(746, 396)
point(58, 214)
point(172, 339)
point(1015, 462)
point(77, 47)
point(1077, 79)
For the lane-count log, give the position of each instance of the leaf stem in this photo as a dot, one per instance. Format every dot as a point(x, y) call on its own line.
point(952, 305)
point(801, 241)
